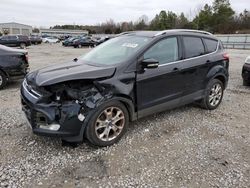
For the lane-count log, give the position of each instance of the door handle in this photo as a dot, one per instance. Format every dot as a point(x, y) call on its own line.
point(176, 69)
point(208, 61)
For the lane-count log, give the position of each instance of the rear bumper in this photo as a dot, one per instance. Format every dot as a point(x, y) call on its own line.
point(19, 73)
point(246, 72)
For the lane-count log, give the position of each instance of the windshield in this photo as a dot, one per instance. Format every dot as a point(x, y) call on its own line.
point(116, 50)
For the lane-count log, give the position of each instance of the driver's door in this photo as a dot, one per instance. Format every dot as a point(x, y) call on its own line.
point(162, 87)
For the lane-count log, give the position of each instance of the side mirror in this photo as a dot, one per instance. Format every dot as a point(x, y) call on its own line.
point(149, 64)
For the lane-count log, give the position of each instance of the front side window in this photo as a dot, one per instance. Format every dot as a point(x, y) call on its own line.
point(193, 47)
point(116, 50)
point(164, 51)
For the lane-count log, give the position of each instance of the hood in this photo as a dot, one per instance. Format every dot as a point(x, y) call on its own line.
point(70, 71)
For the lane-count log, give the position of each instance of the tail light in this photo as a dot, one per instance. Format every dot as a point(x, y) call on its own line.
point(27, 57)
point(226, 56)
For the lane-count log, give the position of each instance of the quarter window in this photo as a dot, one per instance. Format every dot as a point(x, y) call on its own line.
point(193, 46)
point(211, 45)
point(164, 51)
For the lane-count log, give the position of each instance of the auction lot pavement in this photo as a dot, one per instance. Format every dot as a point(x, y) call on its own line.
point(185, 147)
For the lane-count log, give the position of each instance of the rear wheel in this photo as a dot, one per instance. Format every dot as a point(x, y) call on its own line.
point(213, 96)
point(108, 124)
point(3, 80)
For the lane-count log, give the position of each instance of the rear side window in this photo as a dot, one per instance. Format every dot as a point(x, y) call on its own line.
point(193, 46)
point(164, 51)
point(211, 45)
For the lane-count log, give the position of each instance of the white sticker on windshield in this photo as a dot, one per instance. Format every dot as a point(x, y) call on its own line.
point(130, 45)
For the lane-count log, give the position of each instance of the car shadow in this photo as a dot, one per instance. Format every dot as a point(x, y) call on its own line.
point(13, 84)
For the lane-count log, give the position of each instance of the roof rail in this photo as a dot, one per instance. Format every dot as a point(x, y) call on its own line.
point(183, 30)
point(124, 33)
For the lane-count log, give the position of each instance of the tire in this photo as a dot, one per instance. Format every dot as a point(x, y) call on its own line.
point(246, 83)
point(3, 80)
point(22, 45)
point(108, 133)
point(213, 97)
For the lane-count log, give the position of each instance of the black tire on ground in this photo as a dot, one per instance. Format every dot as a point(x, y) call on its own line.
point(22, 45)
point(204, 103)
point(90, 132)
point(3, 79)
point(246, 83)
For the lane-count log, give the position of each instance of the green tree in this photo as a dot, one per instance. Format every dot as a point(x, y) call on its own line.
point(223, 16)
point(204, 20)
point(182, 22)
point(162, 20)
point(155, 23)
point(171, 20)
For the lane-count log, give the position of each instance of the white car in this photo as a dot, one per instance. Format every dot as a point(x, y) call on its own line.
point(51, 40)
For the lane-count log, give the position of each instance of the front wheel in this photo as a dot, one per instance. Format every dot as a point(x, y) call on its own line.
point(22, 45)
point(108, 124)
point(3, 79)
point(213, 95)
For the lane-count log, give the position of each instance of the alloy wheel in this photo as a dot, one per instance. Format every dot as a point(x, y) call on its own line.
point(215, 94)
point(109, 124)
point(1, 80)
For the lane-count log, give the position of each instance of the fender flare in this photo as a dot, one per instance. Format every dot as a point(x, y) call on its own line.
point(217, 71)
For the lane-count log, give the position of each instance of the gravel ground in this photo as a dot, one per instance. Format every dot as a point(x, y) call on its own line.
point(185, 147)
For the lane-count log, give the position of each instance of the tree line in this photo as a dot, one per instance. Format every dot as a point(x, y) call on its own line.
point(216, 18)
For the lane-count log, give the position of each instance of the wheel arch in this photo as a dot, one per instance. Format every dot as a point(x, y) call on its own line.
point(220, 73)
point(128, 103)
point(3, 71)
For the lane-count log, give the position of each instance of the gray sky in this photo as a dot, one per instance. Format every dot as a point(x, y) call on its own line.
point(50, 12)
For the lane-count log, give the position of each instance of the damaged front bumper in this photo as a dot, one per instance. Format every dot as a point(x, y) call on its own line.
point(65, 120)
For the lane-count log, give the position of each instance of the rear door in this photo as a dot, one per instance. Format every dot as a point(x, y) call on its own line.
point(194, 65)
point(163, 86)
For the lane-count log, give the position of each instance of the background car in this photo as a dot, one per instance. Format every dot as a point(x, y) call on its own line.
point(15, 41)
point(69, 41)
point(35, 39)
point(13, 64)
point(246, 72)
point(51, 40)
point(101, 40)
point(84, 41)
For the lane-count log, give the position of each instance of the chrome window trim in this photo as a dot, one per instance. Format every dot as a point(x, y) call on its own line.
point(173, 62)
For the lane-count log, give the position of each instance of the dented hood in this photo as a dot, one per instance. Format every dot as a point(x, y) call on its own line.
point(70, 71)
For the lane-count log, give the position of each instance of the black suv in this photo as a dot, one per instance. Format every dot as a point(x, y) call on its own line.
point(128, 77)
point(13, 64)
point(15, 40)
